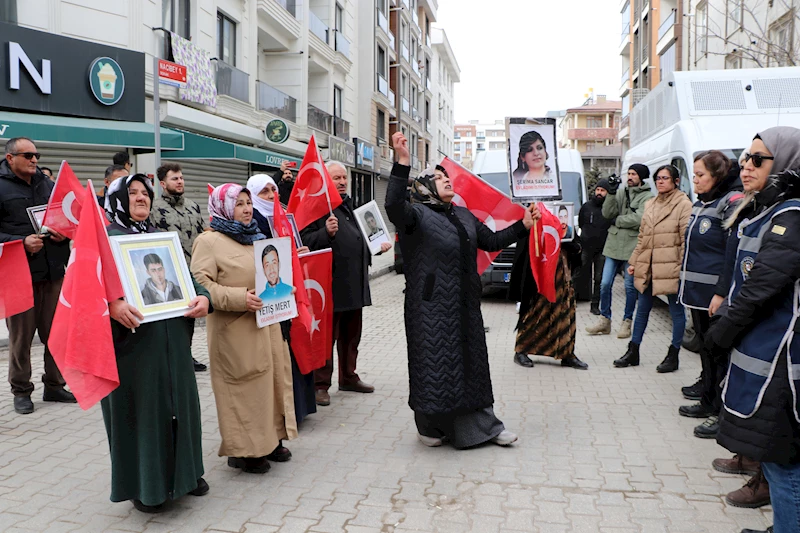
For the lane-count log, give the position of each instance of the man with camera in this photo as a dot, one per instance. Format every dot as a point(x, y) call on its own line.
point(625, 211)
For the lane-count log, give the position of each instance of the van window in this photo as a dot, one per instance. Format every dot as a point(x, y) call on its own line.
point(686, 178)
point(571, 188)
point(498, 180)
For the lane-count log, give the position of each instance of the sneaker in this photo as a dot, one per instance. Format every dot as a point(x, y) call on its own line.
point(625, 329)
point(430, 442)
point(506, 438)
point(697, 410)
point(738, 464)
point(603, 327)
point(693, 392)
point(708, 429)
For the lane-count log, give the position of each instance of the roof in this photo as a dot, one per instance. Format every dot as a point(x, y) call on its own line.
point(607, 106)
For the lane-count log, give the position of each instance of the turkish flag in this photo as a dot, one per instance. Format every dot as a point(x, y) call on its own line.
point(64, 208)
point(16, 289)
point(545, 257)
point(489, 205)
point(314, 194)
point(312, 347)
point(80, 337)
point(283, 228)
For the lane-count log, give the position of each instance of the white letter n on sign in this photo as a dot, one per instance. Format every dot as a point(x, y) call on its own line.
point(17, 55)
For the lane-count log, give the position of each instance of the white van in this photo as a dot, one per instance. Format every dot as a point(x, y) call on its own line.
point(690, 112)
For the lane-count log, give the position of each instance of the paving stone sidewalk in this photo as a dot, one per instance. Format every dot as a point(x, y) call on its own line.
point(599, 451)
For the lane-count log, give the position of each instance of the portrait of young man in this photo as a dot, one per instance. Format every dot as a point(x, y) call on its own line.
point(158, 289)
point(275, 289)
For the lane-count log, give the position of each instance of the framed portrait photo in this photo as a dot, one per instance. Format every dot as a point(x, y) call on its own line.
point(36, 215)
point(565, 211)
point(298, 242)
point(154, 274)
point(372, 226)
point(274, 281)
point(532, 158)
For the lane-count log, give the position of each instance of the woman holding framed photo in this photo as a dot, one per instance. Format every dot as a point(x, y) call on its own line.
point(251, 370)
point(153, 417)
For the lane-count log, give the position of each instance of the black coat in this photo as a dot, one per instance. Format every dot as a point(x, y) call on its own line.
point(772, 434)
point(448, 363)
point(594, 226)
point(351, 257)
point(15, 197)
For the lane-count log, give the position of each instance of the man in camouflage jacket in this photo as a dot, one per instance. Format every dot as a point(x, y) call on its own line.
point(173, 212)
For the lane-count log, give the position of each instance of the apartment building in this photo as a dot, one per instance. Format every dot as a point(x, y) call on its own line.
point(592, 129)
point(475, 137)
point(447, 73)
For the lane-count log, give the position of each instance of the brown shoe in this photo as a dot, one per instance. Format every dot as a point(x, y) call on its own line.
point(753, 495)
point(738, 464)
point(359, 386)
point(322, 397)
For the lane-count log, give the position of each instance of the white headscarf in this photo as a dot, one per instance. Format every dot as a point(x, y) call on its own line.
point(255, 185)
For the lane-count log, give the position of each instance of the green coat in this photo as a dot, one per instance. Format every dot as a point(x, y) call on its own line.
point(627, 206)
point(153, 417)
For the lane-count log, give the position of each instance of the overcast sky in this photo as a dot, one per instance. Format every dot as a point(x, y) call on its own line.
point(527, 57)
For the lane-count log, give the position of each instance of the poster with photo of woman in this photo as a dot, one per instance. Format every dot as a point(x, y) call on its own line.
point(532, 160)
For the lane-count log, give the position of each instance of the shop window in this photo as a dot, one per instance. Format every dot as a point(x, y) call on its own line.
point(8, 11)
point(361, 188)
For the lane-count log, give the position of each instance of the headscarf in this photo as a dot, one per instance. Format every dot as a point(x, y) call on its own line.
point(221, 206)
point(255, 185)
point(117, 203)
point(423, 189)
point(784, 144)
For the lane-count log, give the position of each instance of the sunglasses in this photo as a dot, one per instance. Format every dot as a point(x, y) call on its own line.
point(757, 159)
point(29, 155)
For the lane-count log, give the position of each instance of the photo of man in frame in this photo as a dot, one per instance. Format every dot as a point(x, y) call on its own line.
point(275, 288)
point(157, 288)
point(374, 229)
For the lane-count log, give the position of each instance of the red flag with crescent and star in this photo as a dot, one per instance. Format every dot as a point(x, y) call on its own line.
point(545, 257)
point(64, 208)
point(16, 289)
point(314, 194)
point(80, 337)
point(313, 347)
point(489, 205)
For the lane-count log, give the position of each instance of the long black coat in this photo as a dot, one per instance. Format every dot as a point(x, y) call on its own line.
point(351, 257)
point(448, 363)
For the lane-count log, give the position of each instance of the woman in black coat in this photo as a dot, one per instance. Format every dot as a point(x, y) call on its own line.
point(448, 363)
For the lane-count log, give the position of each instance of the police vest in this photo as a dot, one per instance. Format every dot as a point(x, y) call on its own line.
point(704, 254)
point(754, 358)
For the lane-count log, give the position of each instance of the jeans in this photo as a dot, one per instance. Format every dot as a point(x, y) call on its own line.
point(643, 315)
point(784, 491)
point(610, 270)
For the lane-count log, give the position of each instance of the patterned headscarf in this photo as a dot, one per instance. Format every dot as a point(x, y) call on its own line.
point(117, 203)
point(423, 189)
point(255, 185)
point(221, 206)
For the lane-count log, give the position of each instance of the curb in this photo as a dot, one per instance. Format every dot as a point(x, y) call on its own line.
point(381, 272)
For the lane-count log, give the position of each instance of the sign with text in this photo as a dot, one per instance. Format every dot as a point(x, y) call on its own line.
point(342, 151)
point(51, 74)
point(366, 156)
point(170, 73)
point(273, 270)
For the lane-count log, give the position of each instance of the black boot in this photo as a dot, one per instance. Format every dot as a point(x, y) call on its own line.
point(595, 308)
point(631, 357)
point(670, 362)
point(523, 360)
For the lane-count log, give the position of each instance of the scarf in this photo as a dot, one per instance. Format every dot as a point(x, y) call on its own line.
point(221, 206)
point(423, 190)
point(255, 185)
point(117, 203)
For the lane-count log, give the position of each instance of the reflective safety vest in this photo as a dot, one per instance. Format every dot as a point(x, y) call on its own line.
point(754, 358)
point(704, 252)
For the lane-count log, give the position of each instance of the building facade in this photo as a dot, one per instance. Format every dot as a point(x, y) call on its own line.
point(475, 137)
point(593, 130)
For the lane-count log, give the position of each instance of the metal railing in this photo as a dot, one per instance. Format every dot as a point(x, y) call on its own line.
point(289, 5)
point(415, 17)
point(626, 33)
point(317, 27)
point(391, 97)
point(639, 94)
point(645, 52)
point(667, 24)
point(383, 22)
point(342, 44)
point(636, 65)
point(232, 82)
point(626, 76)
point(404, 51)
point(319, 119)
point(383, 86)
point(625, 122)
point(277, 102)
point(341, 128)
point(405, 106)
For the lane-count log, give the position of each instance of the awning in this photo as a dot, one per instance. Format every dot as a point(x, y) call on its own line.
point(201, 147)
point(70, 130)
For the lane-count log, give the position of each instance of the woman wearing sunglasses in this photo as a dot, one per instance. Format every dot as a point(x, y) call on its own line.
point(656, 264)
point(761, 418)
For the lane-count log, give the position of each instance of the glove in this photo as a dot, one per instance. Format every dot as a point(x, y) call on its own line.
point(613, 184)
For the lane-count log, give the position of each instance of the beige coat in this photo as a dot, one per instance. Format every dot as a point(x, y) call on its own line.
point(662, 236)
point(251, 371)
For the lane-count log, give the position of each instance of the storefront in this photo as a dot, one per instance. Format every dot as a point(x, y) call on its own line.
point(364, 177)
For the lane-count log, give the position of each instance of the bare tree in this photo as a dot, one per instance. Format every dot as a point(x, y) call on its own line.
point(764, 32)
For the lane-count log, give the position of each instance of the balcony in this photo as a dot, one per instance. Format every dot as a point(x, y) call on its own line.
point(405, 105)
point(289, 5)
point(415, 66)
point(276, 102)
point(404, 4)
point(342, 44)
point(415, 17)
point(232, 82)
point(317, 27)
point(428, 40)
point(428, 125)
point(319, 119)
point(592, 134)
point(391, 97)
point(667, 25)
point(341, 128)
point(383, 86)
point(391, 41)
point(645, 56)
point(383, 22)
point(626, 33)
point(625, 122)
point(626, 82)
point(639, 95)
point(404, 51)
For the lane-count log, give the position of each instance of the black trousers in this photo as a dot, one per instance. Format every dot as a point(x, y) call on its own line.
point(592, 262)
point(713, 369)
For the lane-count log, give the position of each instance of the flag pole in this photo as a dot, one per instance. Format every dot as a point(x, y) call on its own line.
point(536, 237)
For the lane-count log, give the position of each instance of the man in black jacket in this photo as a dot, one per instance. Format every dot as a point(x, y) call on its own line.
point(351, 261)
point(594, 230)
point(22, 185)
point(285, 180)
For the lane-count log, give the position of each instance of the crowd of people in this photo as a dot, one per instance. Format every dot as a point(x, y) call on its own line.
point(731, 259)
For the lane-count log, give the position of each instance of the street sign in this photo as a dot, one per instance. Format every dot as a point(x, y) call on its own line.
point(170, 73)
